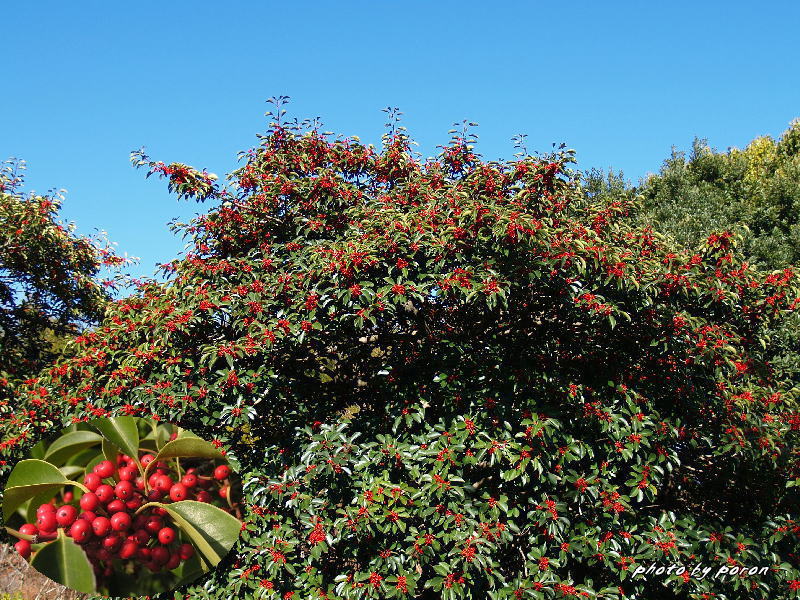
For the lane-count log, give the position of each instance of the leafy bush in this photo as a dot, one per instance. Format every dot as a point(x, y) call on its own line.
point(93, 518)
point(455, 379)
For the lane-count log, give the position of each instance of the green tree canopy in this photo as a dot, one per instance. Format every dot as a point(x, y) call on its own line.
point(756, 189)
point(50, 284)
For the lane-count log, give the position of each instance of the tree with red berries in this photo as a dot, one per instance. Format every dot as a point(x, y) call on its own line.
point(456, 379)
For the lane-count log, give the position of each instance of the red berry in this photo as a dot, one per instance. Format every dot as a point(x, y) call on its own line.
point(103, 554)
point(121, 521)
point(173, 436)
point(101, 526)
point(24, 548)
point(88, 515)
point(134, 503)
point(151, 481)
point(112, 541)
point(139, 483)
point(68, 496)
point(154, 566)
point(104, 469)
point(178, 492)
point(141, 536)
point(154, 524)
point(91, 481)
point(186, 551)
point(104, 493)
point(89, 501)
point(203, 496)
point(66, 515)
point(128, 549)
point(143, 554)
point(189, 480)
point(221, 472)
point(81, 531)
point(223, 492)
point(128, 473)
point(116, 506)
point(124, 490)
point(29, 529)
point(155, 495)
point(47, 521)
point(45, 508)
point(173, 562)
point(166, 535)
point(159, 554)
point(163, 483)
point(147, 459)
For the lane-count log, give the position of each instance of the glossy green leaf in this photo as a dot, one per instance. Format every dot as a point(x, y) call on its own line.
point(70, 444)
point(122, 432)
point(30, 478)
point(212, 530)
point(189, 570)
point(38, 450)
point(185, 433)
point(71, 471)
point(183, 447)
point(110, 451)
point(82, 457)
point(63, 561)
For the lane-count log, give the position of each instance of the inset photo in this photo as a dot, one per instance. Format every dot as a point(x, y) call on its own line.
point(123, 507)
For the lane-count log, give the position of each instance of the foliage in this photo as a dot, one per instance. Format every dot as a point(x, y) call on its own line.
point(459, 379)
point(756, 190)
point(50, 284)
point(122, 506)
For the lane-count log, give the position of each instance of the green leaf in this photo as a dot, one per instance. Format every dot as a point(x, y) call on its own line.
point(110, 451)
point(189, 570)
point(183, 447)
point(82, 457)
point(211, 529)
point(122, 432)
point(70, 444)
point(30, 478)
point(63, 561)
point(184, 433)
point(71, 471)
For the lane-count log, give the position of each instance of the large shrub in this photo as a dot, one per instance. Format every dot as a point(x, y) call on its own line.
point(455, 379)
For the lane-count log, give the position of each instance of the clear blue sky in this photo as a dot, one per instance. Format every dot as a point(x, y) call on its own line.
point(84, 83)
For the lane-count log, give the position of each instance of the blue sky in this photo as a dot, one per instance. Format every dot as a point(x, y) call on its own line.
point(620, 82)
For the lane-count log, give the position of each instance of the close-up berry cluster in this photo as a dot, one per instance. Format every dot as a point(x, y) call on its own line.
point(121, 514)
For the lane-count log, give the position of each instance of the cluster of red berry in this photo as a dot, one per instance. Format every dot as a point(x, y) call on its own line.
point(109, 526)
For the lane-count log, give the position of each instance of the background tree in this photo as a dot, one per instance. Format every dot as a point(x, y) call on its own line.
point(756, 189)
point(465, 379)
point(50, 284)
